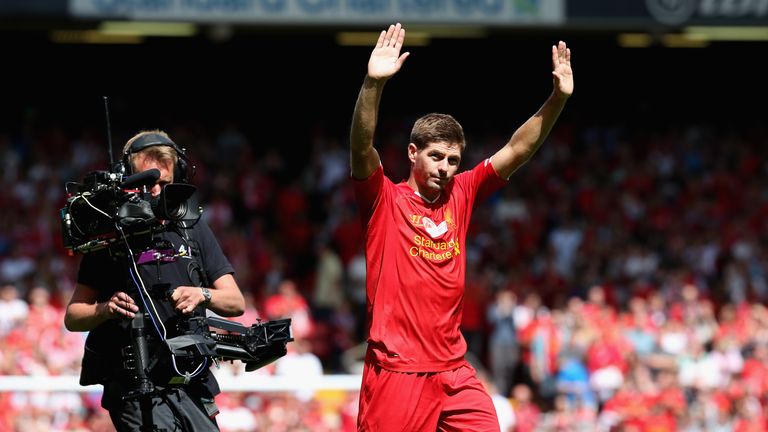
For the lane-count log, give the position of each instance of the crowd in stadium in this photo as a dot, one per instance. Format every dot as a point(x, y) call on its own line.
point(619, 281)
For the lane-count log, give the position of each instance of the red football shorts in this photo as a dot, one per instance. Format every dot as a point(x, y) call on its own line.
point(424, 402)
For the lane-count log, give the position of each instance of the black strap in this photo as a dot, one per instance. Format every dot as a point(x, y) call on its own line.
point(196, 268)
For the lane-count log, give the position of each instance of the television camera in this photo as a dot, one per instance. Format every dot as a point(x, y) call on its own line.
point(106, 204)
point(105, 211)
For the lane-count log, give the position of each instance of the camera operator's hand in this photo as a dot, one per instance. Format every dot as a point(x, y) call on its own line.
point(186, 298)
point(120, 305)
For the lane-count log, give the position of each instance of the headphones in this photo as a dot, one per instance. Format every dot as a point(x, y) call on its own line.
point(183, 170)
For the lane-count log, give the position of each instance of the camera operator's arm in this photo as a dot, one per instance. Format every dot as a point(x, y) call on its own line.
point(226, 298)
point(84, 312)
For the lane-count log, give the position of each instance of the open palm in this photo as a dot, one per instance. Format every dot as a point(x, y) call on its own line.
point(386, 59)
point(562, 74)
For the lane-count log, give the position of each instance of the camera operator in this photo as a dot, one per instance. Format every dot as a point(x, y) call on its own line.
point(110, 292)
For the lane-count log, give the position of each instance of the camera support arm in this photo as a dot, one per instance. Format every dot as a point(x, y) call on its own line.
point(257, 345)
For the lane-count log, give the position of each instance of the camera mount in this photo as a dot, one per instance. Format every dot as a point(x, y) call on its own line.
point(211, 338)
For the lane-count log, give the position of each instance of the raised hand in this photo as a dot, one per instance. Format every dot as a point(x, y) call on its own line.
point(386, 59)
point(562, 74)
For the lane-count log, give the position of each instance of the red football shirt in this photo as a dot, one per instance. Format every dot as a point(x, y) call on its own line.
point(415, 264)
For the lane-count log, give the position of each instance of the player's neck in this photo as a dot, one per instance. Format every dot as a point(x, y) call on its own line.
point(427, 200)
point(428, 195)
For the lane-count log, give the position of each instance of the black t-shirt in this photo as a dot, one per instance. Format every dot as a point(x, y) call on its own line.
point(200, 260)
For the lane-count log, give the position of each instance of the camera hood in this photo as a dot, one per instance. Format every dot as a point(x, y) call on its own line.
point(177, 202)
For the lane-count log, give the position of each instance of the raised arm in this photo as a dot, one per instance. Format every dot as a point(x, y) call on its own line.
point(529, 136)
point(384, 63)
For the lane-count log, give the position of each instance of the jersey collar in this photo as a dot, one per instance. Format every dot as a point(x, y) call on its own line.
point(427, 199)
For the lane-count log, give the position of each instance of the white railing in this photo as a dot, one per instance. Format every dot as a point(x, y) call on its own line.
point(254, 383)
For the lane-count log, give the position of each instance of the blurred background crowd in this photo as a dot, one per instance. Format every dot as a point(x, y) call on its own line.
point(619, 281)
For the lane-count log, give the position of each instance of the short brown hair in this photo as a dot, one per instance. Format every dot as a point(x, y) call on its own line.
point(436, 127)
point(162, 153)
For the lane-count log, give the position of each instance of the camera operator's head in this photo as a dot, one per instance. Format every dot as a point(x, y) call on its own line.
point(152, 149)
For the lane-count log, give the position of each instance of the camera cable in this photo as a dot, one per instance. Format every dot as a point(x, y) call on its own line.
point(154, 316)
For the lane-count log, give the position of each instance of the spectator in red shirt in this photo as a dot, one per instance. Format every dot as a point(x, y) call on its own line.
point(527, 413)
point(288, 302)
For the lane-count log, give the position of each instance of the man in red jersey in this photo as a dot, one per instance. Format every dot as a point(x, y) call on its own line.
point(415, 376)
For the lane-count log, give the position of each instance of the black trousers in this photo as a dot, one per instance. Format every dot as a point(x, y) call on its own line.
point(172, 409)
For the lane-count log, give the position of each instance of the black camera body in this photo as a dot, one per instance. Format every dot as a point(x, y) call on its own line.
point(107, 205)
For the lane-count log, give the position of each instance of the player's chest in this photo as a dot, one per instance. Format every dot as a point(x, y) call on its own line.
point(433, 221)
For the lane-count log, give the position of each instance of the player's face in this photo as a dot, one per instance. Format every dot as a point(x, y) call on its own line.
point(435, 165)
point(143, 163)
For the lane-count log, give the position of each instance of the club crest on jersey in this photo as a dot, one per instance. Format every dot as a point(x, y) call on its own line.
point(435, 230)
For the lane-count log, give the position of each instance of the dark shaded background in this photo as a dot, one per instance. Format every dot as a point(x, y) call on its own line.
point(278, 83)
